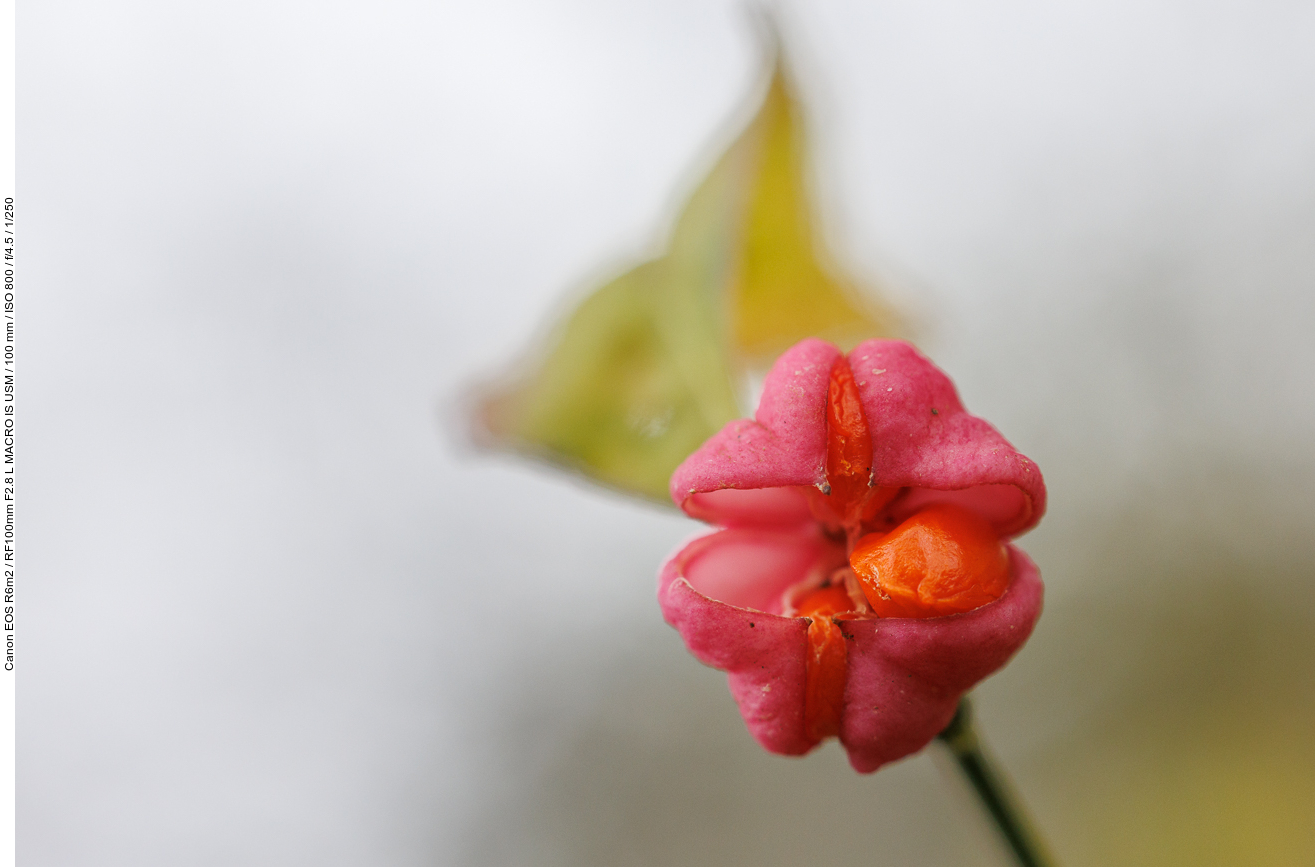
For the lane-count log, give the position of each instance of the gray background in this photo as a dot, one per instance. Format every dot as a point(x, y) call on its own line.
point(274, 611)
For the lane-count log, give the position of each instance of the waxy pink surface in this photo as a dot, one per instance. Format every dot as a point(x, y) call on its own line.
point(724, 591)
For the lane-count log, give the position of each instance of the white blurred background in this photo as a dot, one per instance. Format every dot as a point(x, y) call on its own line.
point(275, 611)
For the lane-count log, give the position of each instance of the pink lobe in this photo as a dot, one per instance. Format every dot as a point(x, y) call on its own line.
point(762, 653)
point(922, 438)
point(907, 676)
point(785, 446)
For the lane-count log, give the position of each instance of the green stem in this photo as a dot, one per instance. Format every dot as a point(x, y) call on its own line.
point(992, 790)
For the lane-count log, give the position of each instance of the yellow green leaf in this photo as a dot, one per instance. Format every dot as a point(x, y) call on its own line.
point(635, 381)
point(650, 364)
point(781, 290)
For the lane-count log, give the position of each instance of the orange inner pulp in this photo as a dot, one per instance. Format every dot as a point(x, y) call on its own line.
point(942, 560)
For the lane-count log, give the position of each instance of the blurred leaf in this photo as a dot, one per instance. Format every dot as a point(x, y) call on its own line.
point(781, 292)
point(637, 380)
point(650, 365)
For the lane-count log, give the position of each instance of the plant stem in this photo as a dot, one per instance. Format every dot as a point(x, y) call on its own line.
point(992, 790)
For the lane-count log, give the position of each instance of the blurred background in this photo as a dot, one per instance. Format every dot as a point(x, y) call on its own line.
point(275, 610)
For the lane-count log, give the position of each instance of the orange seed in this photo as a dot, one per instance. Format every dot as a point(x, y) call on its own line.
point(943, 560)
point(824, 673)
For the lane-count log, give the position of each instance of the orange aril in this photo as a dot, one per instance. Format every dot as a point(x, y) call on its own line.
point(824, 672)
point(851, 498)
point(848, 445)
point(943, 560)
